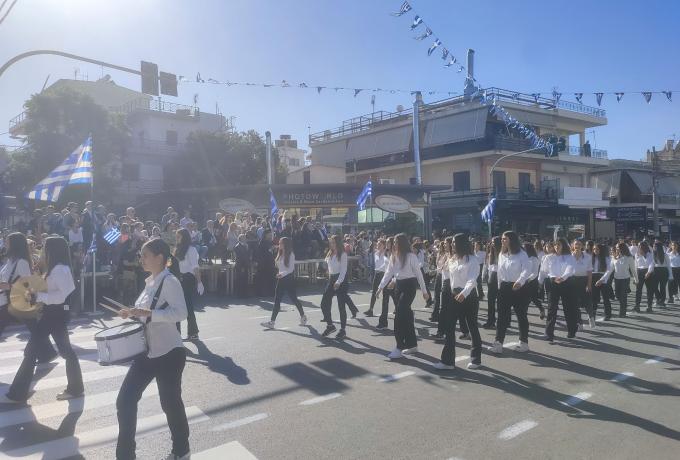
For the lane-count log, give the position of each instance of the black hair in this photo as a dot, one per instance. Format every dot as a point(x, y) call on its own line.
point(461, 245)
point(566, 249)
point(183, 243)
point(158, 247)
point(56, 253)
point(530, 250)
point(17, 247)
point(514, 245)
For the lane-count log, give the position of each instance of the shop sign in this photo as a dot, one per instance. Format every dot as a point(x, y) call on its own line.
point(391, 203)
point(313, 198)
point(631, 214)
point(234, 205)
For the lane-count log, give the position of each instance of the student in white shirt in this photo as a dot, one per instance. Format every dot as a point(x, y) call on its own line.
point(404, 266)
point(662, 273)
point(285, 282)
point(644, 264)
point(379, 267)
point(336, 259)
point(190, 277)
point(446, 296)
point(16, 266)
point(419, 250)
point(582, 282)
point(463, 270)
point(440, 262)
point(514, 270)
point(540, 292)
point(560, 269)
point(53, 322)
point(480, 254)
point(674, 259)
point(601, 266)
point(531, 285)
point(493, 250)
point(160, 306)
point(623, 268)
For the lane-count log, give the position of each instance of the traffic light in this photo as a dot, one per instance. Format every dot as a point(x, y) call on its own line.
point(150, 78)
point(168, 83)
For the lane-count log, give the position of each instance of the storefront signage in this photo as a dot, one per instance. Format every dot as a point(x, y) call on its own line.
point(631, 214)
point(234, 205)
point(391, 203)
point(313, 198)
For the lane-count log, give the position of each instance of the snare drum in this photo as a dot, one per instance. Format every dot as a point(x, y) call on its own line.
point(120, 344)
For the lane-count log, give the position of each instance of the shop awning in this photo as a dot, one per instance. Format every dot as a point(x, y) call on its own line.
point(454, 128)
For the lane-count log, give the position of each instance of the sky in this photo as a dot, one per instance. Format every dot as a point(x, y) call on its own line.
point(524, 45)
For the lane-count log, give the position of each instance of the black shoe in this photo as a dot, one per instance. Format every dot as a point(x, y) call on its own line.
point(354, 314)
point(571, 336)
point(369, 313)
point(438, 336)
point(329, 329)
point(622, 315)
point(636, 309)
point(490, 326)
point(542, 314)
point(381, 327)
point(648, 309)
point(464, 337)
point(607, 318)
point(341, 334)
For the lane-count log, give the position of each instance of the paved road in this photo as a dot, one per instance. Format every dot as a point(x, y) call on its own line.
point(291, 394)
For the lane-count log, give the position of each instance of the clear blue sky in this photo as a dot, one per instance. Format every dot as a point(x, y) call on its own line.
point(522, 45)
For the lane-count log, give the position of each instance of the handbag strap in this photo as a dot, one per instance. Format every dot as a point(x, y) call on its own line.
point(156, 296)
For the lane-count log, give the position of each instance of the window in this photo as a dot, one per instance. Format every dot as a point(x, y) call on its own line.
point(171, 137)
point(499, 182)
point(386, 181)
point(130, 172)
point(306, 177)
point(461, 181)
point(524, 182)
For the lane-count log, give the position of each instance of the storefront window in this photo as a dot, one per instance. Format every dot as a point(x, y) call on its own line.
point(411, 223)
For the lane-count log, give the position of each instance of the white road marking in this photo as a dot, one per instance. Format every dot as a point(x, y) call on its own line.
point(576, 399)
point(395, 377)
point(56, 382)
point(61, 408)
point(320, 399)
point(74, 445)
point(81, 348)
point(232, 450)
point(240, 422)
point(655, 360)
point(622, 376)
point(21, 344)
point(11, 370)
point(260, 317)
point(517, 429)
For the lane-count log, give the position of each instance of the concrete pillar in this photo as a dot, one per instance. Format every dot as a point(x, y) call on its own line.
point(581, 138)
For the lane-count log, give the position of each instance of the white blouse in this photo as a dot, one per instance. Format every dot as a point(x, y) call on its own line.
point(337, 267)
point(380, 261)
point(583, 265)
point(410, 269)
point(513, 268)
point(561, 266)
point(22, 269)
point(190, 262)
point(674, 259)
point(645, 262)
point(285, 270)
point(464, 273)
point(623, 268)
point(535, 267)
point(161, 332)
point(59, 285)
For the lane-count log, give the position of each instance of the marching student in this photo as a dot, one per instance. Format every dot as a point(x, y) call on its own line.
point(336, 259)
point(380, 265)
point(582, 283)
point(389, 291)
point(190, 277)
point(514, 270)
point(16, 266)
point(531, 285)
point(285, 282)
point(446, 299)
point(644, 263)
point(543, 279)
point(674, 258)
point(662, 273)
point(404, 266)
point(463, 269)
point(480, 254)
point(440, 261)
point(540, 291)
point(419, 249)
point(160, 305)
point(601, 266)
point(54, 322)
point(560, 269)
point(493, 250)
point(623, 268)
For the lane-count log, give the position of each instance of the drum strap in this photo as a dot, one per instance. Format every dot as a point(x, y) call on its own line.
point(11, 281)
point(156, 297)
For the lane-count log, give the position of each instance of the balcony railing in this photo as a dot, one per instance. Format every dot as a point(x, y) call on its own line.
point(575, 150)
point(508, 193)
point(155, 105)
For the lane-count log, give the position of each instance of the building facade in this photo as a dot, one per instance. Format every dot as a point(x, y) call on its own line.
point(289, 153)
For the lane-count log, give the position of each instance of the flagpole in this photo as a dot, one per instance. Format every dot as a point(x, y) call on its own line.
point(94, 234)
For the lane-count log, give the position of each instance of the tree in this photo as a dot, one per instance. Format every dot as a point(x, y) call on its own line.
point(57, 122)
point(223, 159)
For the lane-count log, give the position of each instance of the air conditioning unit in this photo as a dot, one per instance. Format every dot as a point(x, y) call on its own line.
point(387, 181)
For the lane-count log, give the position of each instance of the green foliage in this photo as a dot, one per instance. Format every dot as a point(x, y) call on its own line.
point(56, 124)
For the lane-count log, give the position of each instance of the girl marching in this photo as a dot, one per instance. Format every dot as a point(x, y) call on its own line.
point(190, 278)
point(644, 264)
point(674, 258)
point(17, 265)
point(623, 268)
point(662, 273)
point(493, 250)
point(285, 282)
point(601, 266)
point(582, 283)
point(560, 269)
point(336, 259)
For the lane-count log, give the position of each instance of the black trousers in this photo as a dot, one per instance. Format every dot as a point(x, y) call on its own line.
point(621, 288)
point(404, 326)
point(445, 303)
point(188, 281)
point(327, 301)
point(649, 285)
point(534, 294)
point(426, 278)
point(601, 291)
point(674, 286)
point(377, 278)
point(582, 298)
point(167, 370)
point(563, 292)
point(480, 291)
point(241, 280)
point(660, 284)
point(54, 322)
point(491, 298)
point(437, 297)
point(508, 300)
point(465, 312)
point(5, 318)
point(286, 285)
point(387, 294)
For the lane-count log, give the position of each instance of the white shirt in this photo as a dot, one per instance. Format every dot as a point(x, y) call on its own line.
point(667, 265)
point(380, 261)
point(22, 269)
point(645, 262)
point(561, 266)
point(337, 267)
point(513, 268)
point(161, 332)
point(411, 269)
point(285, 270)
point(545, 263)
point(583, 265)
point(59, 286)
point(421, 257)
point(633, 250)
point(481, 257)
point(75, 237)
point(674, 259)
point(535, 267)
point(446, 274)
point(190, 262)
point(596, 264)
point(464, 273)
point(623, 268)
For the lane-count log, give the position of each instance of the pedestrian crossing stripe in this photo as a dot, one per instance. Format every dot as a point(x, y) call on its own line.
point(84, 360)
point(77, 347)
point(231, 450)
point(62, 381)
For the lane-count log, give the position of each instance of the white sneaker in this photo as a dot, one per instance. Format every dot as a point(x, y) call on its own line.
point(496, 348)
point(443, 367)
point(410, 351)
point(395, 354)
point(268, 324)
point(303, 320)
point(593, 325)
point(473, 366)
point(523, 347)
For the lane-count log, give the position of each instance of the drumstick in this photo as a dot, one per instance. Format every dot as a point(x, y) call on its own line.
point(109, 308)
point(114, 303)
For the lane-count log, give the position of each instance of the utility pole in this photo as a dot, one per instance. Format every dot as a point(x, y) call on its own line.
point(416, 135)
point(268, 140)
point(655, 198)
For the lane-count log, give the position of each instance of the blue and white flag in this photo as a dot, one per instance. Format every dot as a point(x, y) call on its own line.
point(76, 169)
point(363, 196)
point(416, 22)
point(93, 245)
point(405, 8)
point(434, 46)
point(274, 208)
point(112, 236)
point(427, 33)
point(487, 212)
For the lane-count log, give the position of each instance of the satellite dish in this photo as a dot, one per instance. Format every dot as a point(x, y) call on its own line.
point(400, 108)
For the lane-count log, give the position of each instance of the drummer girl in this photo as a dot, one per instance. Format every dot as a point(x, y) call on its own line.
point(17, 265)
point(54, 321)
point(159, 306)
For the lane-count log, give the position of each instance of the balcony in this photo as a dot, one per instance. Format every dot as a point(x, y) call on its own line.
point(17, 125)
point(575, 150)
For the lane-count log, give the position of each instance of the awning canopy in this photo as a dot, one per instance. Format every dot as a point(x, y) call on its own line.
point(454, 128)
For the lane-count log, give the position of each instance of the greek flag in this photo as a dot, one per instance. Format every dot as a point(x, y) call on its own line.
point(93, 245)
point(112, 236)
point(487, 212)
point(416, 22)
point(363, 196)
point(76, 169)
point(274, 208)
point(405, 8)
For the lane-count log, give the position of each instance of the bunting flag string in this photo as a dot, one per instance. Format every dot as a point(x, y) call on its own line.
point(598, 97)
point(405, 8)
point(648, 96)
point(619, 96)
point(427, 33)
